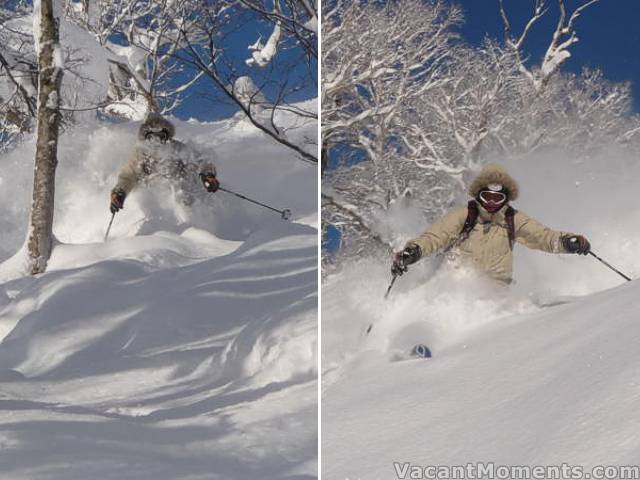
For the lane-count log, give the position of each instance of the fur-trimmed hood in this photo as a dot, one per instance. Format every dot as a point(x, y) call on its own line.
point(494, 173)
point(154, 123)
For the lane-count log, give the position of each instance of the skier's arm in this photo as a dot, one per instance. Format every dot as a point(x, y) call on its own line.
point(127, 179)
point(442, 233)
point(130, 173)
point(533, 234)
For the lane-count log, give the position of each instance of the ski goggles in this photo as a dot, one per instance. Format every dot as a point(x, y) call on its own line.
point(162, 135)
point(496, 198)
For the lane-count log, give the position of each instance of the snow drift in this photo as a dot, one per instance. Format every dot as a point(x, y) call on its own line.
point(185, 346)
point(510, 382)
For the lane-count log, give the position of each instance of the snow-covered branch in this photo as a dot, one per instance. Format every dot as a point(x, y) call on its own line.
point(259, 93)
point(558, 51)
point(141, 38)
point(297, 19)
point(243, 92)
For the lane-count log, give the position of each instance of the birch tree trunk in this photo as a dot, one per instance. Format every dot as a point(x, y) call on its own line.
point(40, 237)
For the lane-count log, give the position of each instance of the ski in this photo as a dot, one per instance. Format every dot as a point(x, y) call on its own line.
point(420, 350)
point(417, 352)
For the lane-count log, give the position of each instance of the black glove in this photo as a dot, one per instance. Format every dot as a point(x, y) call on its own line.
point(117, 200)
point(576, 244)
point(210, 181)
point(403, 259)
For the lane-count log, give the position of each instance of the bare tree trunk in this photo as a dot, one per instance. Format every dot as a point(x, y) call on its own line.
point(40, 239)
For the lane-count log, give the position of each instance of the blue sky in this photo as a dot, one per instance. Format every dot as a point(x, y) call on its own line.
point(608, 32)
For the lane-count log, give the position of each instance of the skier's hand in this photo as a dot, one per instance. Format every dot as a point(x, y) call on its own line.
point(210, 181)
point(117, 200)
point(398, 267)
point(576, 244)
point(403, 259)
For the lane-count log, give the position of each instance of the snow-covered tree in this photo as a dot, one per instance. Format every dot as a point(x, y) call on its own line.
point(265, 83)
point(17, 77)
point(84, 85)
point(141, 38)
point(157, 53)
point(378, 61)
point(558, 50)
point(50, 69)
point(392, 144)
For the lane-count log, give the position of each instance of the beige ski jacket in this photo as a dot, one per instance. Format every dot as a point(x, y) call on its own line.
point(172, 160)
point(487, 247)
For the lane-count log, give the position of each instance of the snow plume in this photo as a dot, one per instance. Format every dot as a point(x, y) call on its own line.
point(593, 195)
point(91, 157)
point(435, 304)
point(88, 69)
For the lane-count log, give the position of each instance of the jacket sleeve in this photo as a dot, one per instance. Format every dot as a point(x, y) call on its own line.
point(129, 174)
point(442, 233)
point(533, 234)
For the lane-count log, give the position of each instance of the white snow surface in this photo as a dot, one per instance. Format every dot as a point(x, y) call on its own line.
point(185, 346)
point(510, 382)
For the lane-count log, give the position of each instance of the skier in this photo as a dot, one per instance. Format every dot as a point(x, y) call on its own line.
point(484, 232)
point(158, 154)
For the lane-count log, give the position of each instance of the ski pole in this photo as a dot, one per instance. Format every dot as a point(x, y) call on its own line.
point(386, 295)
point(614, 269)
point(106, 235)
point(393, 280)
point(285, 213)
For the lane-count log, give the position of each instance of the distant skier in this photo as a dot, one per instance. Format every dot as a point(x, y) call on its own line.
point(483, 233)
point(158, 154)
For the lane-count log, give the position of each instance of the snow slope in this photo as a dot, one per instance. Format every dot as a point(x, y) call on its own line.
point(560, 385)
point(185, 346)
point(510, 382)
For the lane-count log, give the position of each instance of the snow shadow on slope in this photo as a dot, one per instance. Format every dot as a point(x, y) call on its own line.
point(129, 449)
point(143, 372)
point(220, 305)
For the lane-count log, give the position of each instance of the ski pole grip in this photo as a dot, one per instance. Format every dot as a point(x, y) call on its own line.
point(286, 214)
